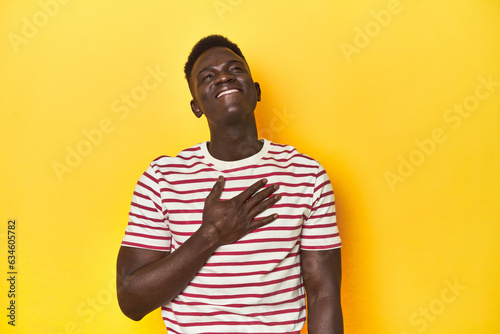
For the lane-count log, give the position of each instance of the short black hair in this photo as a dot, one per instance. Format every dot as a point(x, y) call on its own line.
point(203, 45)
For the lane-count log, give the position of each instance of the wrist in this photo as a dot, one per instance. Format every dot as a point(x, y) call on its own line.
point(209, 236)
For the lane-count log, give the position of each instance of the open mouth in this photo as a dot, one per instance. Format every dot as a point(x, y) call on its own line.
point(226, 92)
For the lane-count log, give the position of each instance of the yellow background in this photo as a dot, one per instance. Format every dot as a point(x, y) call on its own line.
point(343, 83)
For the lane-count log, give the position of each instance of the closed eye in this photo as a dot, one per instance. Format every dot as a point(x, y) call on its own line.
point(206, 77)
point(236, 68)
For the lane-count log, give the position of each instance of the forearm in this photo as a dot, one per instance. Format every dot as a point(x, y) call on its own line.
point(159, 282)
point(324, 315)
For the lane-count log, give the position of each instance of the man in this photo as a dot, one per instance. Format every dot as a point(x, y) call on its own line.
point(234, 256)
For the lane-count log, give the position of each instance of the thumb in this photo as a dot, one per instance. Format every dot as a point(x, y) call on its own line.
point(217, 189)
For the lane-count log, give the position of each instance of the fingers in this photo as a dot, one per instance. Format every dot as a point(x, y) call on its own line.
point(250, 191)
point(264, 205)
point(255, 202)
point(256, 223)
point(262, 195)
point(217, 189)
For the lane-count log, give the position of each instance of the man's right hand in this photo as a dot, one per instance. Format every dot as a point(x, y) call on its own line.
point(230, 220)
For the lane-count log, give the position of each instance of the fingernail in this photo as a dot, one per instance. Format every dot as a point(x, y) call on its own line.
point(264, 180)
point(220, 179)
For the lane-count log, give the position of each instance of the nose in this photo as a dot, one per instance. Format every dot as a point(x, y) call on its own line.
point(223, 77)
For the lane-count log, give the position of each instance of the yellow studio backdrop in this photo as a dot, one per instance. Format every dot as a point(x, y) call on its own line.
point(398, 99)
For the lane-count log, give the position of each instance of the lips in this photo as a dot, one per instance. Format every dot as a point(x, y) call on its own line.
point(226, 92)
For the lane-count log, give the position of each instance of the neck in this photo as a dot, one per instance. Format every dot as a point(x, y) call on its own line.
point(236, 142)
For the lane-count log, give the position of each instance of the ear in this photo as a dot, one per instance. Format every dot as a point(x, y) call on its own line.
point(196, 109)
point(257, 88)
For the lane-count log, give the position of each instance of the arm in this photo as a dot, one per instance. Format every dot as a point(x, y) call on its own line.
point(148, 279)
point(322, 276)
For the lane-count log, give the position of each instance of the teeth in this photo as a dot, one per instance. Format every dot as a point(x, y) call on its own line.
point(229, 91)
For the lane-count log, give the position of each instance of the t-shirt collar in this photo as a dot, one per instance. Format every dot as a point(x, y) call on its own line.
point(221, 164)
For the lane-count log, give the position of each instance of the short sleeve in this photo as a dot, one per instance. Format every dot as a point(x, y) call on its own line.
point(147, 226)
point(320, 231)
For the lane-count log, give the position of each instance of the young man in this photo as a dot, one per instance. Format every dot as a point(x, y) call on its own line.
point(237, 255)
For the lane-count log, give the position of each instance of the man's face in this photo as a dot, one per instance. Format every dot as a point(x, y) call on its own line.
point(222, 87)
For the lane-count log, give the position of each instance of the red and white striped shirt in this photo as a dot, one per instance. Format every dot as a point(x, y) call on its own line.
point(255, 284)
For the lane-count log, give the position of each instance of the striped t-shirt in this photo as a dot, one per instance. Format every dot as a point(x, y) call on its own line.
point(254, 284)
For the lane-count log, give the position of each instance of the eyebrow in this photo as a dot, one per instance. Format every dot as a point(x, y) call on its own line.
point(207, 68)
